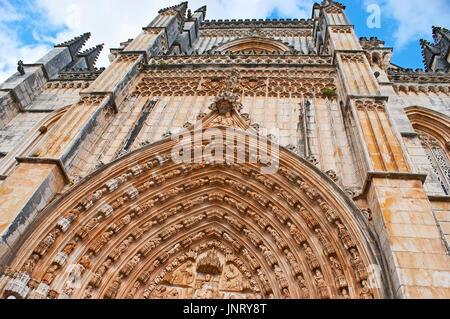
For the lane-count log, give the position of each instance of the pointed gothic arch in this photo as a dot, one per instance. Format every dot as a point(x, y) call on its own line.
point(430, 122)
point(24, 148)
point(434, 133)
point(254, 44)
point(145, 226)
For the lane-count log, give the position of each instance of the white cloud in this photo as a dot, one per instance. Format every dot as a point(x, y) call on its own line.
point(414, 17)
point(11, 49)
point(115, 21)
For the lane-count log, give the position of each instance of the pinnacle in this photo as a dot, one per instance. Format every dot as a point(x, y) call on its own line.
point(91, 55)
point(181, 8)
point(76, 43)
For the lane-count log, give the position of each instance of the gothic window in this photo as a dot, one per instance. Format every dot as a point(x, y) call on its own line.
point(256, 45)
point(439, 161)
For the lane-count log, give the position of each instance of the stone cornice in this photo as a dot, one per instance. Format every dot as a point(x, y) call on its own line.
point(252, 59)
point(390, 175)
point(40, 160)
point(250, 31)
point(280, 23)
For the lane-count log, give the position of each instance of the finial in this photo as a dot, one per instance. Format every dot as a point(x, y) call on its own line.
point(76, 43)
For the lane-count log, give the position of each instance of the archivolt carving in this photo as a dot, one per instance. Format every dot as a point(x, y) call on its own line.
point(145, 227)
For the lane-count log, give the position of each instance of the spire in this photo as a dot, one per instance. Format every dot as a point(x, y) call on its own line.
point(76, 43)
point(91, 55)
point(181, 8)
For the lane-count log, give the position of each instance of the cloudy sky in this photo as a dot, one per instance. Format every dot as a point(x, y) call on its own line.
point(29, 28)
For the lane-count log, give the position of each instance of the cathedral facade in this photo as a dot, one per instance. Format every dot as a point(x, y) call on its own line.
point(227, 159)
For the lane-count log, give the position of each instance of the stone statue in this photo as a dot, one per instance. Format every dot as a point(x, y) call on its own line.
point(20, 67)
point(232, 278)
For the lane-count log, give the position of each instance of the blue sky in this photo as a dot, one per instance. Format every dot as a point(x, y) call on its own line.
point(29, 28)
point(407, 55)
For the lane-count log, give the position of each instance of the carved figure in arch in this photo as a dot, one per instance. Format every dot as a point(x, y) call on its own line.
point(268, 255)
point(100, 242)
point(282, 193)
point(207, 288)
point(198, 236)
point(295, 267)
point(134, 290)
point(263, 278)
point(86, 229)
point(262, 223)
point(358, 265)
point(265, 181)
point(68, 249)
point(281, 216)
point(253, 263)
point(233, 222)
point(194, 220)
point(281, 278)
point(88, 292)
point(302, 284)
point(149, 246)
point(344, 235)
point(321, 284)
point(252, 236)
point(232, 278)
point(85, 261)
point(163, 292)
point(327, 246)
point(309, 191)
point(117, 252)
point(128, 268)
point(366, 292)
point(29, 265)
point(338, 272)
point(168, 233)
point(309, 219)
point(47, 242)
point(184, 276)
point(295, 233)
point(280, 242)
point(311, 259)
point(329, 213)
point(345, 294)
point(50, 274)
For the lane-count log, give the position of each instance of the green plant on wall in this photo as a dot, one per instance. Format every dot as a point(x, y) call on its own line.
point(160, 63)
point(328, 92)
